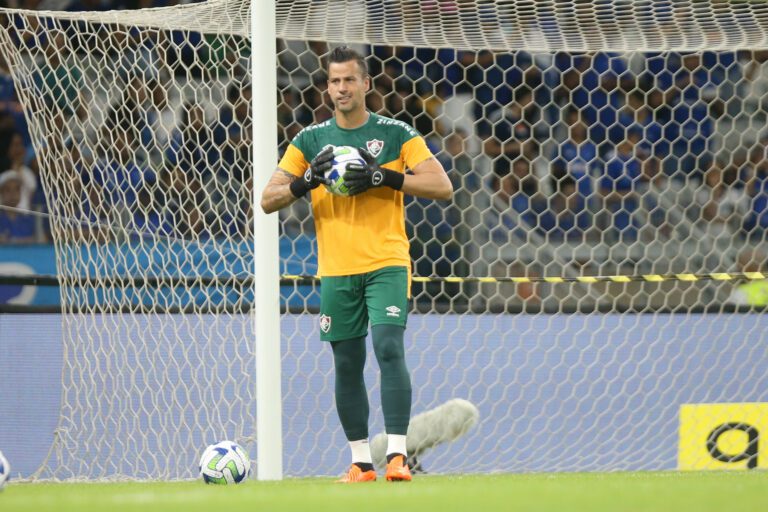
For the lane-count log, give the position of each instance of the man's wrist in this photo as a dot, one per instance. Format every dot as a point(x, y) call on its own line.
point(393, 179)
point(299, 188)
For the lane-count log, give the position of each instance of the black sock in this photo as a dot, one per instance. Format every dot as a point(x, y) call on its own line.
point(364, 466)
point(393, 455)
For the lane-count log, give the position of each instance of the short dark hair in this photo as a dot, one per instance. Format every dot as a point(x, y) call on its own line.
point(344, 54)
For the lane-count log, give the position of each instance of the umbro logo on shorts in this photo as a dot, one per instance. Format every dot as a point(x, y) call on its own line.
point(325, 323)
point(392, 311)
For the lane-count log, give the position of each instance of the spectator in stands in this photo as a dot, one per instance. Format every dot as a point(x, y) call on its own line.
point(15, 227)
point(226, 57)
point(492, 77)
point(454, 157)
point(589, 84)
point(756, 219)
point(10, 104)
point(688, 124)
point(140, 55)
point(618, 187)
point(15, 157)
point(517, 201)
point(156, 121)
point(465, 212)
point(749, 117)
point(605, 105)
point(117, 170)
point(233, 136)
point(577, 157)
point(183, 202)
point(319, 102)
point(299, 63)
point(376, 102)
point(720, 202)
point(408, 107)
point(566, 217)
point(90, 204)
point(652, 142)
point(466, 180)
point(26, 29)
point(128, 182)
point(183, 50)
point(664, 202)
point(508, 133)
point(7, 130)
point(60, 82)
point(191, 160)
point(192, 144)
point(401, 64)
point(234, 131)
point(626, 116)
point(292, 115)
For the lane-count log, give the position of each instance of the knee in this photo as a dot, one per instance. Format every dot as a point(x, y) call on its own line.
point(390, 351)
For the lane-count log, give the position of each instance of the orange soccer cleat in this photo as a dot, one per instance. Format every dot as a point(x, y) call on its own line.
point(355, 475)
point(398, 470)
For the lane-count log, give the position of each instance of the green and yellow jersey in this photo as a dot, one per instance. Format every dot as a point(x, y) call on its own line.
point(365, 232)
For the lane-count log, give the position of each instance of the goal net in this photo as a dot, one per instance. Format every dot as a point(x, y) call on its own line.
point(608, 156)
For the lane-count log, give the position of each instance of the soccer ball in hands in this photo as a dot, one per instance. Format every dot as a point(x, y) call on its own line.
point(342, 156)
point(224, 463)
point(5, 470)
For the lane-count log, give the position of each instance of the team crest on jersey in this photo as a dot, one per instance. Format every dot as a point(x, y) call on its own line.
point(325, 323)
point(375, 146)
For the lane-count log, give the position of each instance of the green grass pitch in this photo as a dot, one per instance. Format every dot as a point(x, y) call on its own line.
point(573, 492)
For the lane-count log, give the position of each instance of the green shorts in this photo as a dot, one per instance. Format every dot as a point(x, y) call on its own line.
point(348, 303)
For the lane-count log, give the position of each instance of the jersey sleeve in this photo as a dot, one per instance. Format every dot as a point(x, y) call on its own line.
point(414, 151)
point(293, 161)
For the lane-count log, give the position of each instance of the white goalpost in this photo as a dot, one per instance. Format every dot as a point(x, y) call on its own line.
point(267, 269)
point(576, 305)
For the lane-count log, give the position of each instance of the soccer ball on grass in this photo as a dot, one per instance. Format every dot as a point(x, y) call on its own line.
point(342, 157)
point(5, 470)
point(224, 463)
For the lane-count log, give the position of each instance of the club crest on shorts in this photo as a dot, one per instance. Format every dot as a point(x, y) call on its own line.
point(375, 146)
point(325, 323)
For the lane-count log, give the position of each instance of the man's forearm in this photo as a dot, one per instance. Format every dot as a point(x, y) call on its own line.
point(277, 197)
point(428, 186)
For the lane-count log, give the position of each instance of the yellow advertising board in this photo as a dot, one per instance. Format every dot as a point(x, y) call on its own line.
point(723, 436)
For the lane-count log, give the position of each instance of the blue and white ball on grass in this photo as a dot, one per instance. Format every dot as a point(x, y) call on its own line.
point(224, 463)
point(342, 157)
point(5, 470)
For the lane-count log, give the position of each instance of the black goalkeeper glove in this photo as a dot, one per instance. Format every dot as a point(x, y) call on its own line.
point(314, 176)
point(359, 178)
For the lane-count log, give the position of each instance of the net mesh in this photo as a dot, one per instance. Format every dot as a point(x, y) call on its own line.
point(580, 153)
point(143, 141)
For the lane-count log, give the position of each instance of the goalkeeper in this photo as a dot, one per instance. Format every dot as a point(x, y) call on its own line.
point(363, 250)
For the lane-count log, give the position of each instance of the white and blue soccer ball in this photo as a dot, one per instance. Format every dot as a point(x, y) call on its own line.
point(224, 463)
point(5, 470)
point(342, 157)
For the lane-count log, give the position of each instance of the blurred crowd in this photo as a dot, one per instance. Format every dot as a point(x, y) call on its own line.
point(134, 148)
point(550, 148)
point(563, 148)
